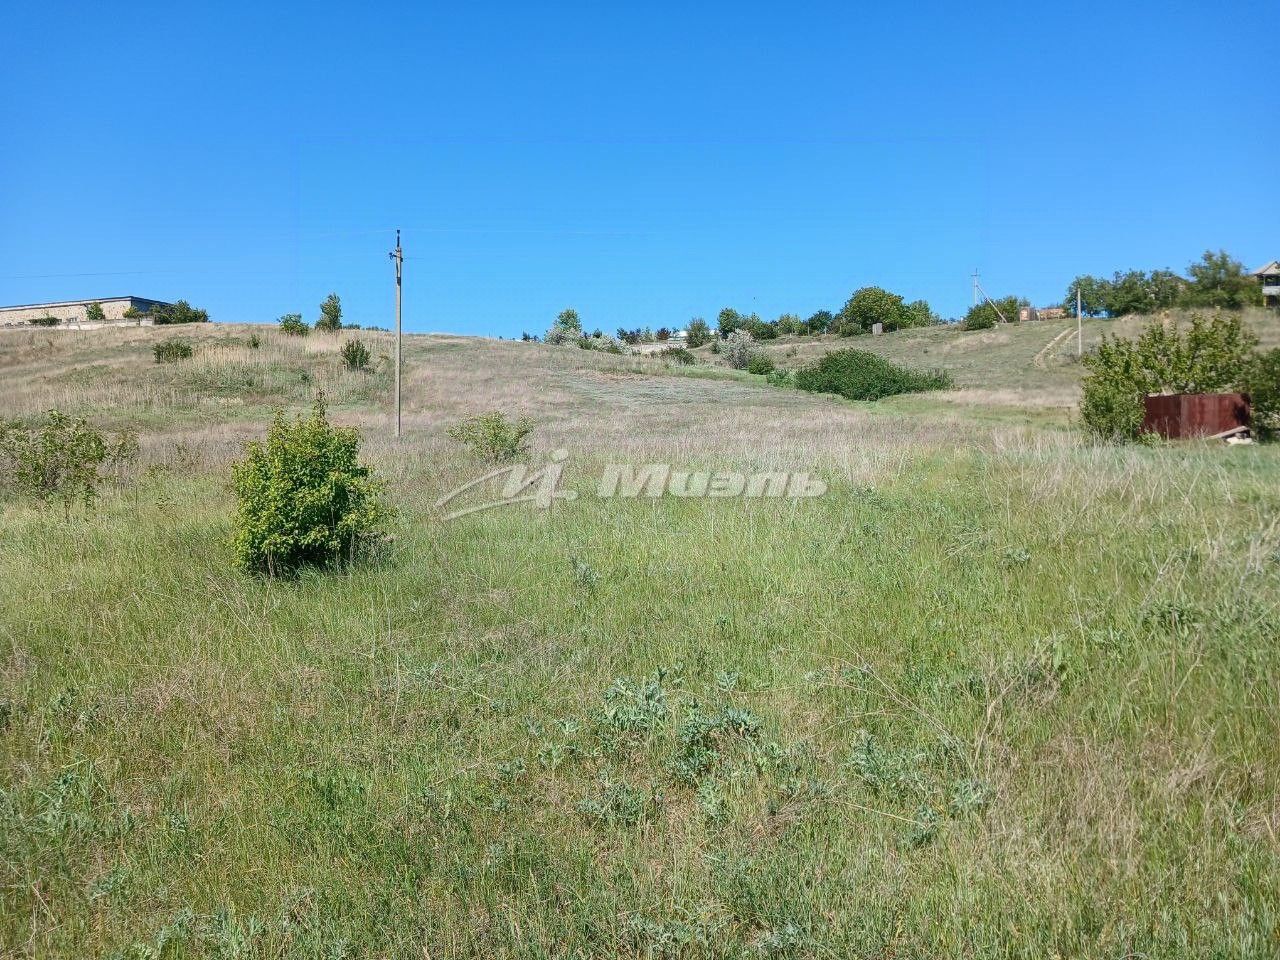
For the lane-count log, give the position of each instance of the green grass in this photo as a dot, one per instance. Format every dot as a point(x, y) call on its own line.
point(988, 699)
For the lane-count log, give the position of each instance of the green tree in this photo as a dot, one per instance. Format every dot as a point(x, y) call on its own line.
point(872, 305)
point(330, 314)
point(1219, 280)
point(1129, 293)
point(920, 314)
point(94, 313)
point(1166, 288)
point(293, 325)
point(180, 312)
point(1094, 293)
point(987, 314)
point(820, 322)
point(727, 321)
point(567, 327)
point(698, 332)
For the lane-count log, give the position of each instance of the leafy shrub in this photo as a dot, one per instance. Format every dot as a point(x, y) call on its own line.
point(355, 355)
point(170, 351)
point(985, 315)
point(304, 498)
point(780, 378)
point(1215, 354)
point(678, 355)
point(567, 328)
point(45, 321)
point(330, 314)
point(492, 437)
point(1264, 388)
point(293, 325)
point(255, 341)
point(859, 375)
point(59, 458)
point(738, 349)
point(760, 363)
point(698, 332)
point(163, 314)
point(94, 313)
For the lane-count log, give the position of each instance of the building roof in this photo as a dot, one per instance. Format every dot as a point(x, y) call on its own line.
point(1272, 268)
point(76, 303)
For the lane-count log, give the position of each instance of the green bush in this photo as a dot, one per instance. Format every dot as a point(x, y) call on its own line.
point(255, 341)
point(985, 315)
point(738, 349)
point(492, 437)
point(679, 355)
point(94, 313)
point(1264, 389)
point(180, 312)
point(169, 351)
point(330, 315)
point(1215, 354)
point(293, 325)
point(304, 499)
point(698, 332)
point(45, 321)
point(760, 363)
point(58, 459)
point(355, 355)
point(859, 375)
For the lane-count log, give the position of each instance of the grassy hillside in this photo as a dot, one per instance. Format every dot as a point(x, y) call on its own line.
point(997, 693)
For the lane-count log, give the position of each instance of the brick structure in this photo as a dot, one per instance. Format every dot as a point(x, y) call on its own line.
point(74, 313)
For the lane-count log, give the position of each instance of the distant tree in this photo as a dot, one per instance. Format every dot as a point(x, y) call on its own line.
point(820, 322)
point(1166, 288)
point(567, 327)
point(330, 314)
point(1094, 293)
point(788, 325)
point(728, 320)
point(629, 336)
point(758, 328)
point(869, 306)
point(180, 312)
point(920, 314)
point(663, 334)
point(698, 332)
point(1219, 280)
point(293, 325)
point(94, 313)
point(987, 314)
point(1129, 293)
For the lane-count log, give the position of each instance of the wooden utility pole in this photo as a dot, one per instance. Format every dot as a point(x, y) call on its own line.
point(1079, 325)
point(398, 256)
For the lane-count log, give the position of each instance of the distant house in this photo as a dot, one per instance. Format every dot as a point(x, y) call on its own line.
point(1269, 277)
point(75, 313)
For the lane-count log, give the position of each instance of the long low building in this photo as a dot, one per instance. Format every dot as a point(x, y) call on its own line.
point(75, 313)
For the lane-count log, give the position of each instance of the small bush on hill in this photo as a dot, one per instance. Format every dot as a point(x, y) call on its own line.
point(678, 355)
point(567, 328)
point(355, 355)
point(738, 349)
point(859, 375)
point(58, 459)
point(94, 313)
point(760, 364)
point(330, 315)
point(698, 332)
point(1215, 354)
point(304, 498)
point(255, 341)
point(45, 321)
point(170, 351)
point(493, 438)
point(985, 315)
point(180, 312)
point(1264, 389)
point(293, 325)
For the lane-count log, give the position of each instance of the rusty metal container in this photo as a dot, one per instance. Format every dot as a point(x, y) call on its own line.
point(1180, 416)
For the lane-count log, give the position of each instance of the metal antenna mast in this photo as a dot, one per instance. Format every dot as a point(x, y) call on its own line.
point(398, 256)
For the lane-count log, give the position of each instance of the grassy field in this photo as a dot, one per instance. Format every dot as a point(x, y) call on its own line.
point(997, 693)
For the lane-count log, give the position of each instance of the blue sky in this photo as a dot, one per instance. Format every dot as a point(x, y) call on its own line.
point(642, 163)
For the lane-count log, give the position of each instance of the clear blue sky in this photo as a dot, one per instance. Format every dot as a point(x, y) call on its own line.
point(643, 163)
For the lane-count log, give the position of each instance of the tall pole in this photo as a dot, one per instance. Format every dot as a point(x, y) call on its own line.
point(398, 256)
point(975, 287)
point(1079, 325)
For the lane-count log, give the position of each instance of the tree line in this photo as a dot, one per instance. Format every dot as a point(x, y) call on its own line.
point(1216, 280)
